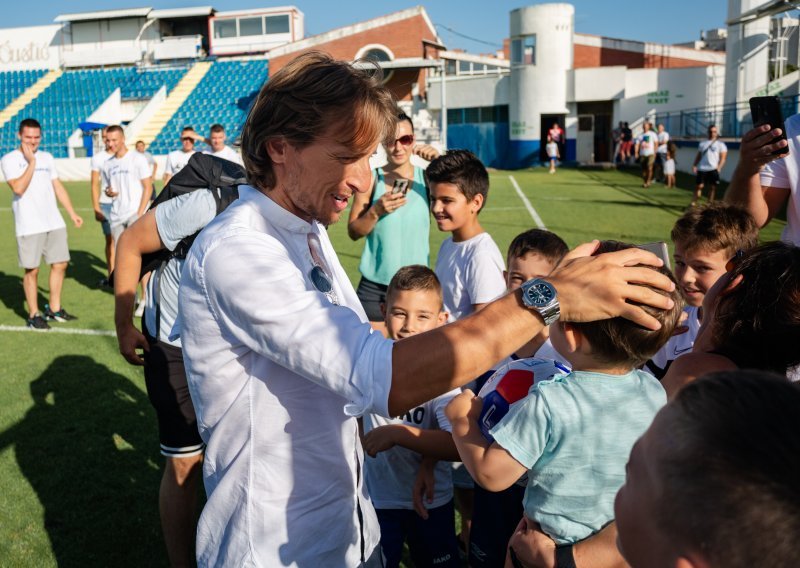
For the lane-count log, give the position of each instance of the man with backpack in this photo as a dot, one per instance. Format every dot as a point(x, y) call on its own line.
point(159, 241)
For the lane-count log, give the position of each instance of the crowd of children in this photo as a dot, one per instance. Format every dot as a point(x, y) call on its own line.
point(560, 456)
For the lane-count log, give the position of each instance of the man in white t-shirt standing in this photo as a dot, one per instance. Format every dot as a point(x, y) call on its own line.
point(711, 156)
point(645, 152)
point(126, 178)
point(40, 229)
point(102, 204)
point(179, 158)
point(217, 147)
point(151, 161)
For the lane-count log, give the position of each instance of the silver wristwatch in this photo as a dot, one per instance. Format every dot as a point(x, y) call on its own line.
point(540, 295)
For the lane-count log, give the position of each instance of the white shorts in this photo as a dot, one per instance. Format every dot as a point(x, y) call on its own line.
point(117, 228)
point(52, 245)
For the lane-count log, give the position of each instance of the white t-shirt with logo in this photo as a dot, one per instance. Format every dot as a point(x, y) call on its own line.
point(663, 138)
point(647, 143)
point(390, 475)
point(176, 160)
point(36, 210)
point(709, 158)
point(227, 153)
point(785, 173)
point(125, 175)
point(471, 272)
point(98, 160)
point(677, 345)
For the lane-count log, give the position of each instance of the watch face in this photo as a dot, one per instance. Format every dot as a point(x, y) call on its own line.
point(540, 294)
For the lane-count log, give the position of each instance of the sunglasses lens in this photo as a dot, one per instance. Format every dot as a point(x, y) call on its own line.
point(406, 140)
point(321, 280)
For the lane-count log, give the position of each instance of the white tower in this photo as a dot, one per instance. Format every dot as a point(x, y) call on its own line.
point(541, 56)
point(746, 52)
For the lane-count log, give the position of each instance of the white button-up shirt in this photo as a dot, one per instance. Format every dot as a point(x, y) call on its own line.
point(277, 373)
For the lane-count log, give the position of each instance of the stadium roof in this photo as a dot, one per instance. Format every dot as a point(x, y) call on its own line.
point(104, 15)
point(172, 13)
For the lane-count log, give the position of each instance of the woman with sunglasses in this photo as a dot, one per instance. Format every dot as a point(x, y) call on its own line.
point(752, 318)
point(394, 217)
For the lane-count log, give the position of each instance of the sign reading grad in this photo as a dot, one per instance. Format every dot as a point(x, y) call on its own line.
point(35, 47)
point(658, 97)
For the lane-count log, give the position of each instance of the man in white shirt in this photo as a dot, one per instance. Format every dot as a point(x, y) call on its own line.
point(127, 178)
point(710, 159)
point(179, 158)
point(279, 354)
point(645, 152)
point(102, 204)
point(151, 161)
point(767, 176)
point(40, 229)
point(661, 152)
point(216, 143)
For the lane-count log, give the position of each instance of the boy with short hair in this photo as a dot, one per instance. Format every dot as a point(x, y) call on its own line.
point(532, 254)
point(396, 446)
point(706, 238)
point(573, 433)
point(469, 264)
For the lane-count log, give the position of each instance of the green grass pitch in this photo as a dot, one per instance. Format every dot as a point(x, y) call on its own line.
point(78, 442)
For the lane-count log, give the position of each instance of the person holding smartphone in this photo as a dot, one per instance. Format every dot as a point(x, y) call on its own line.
point(394, 217)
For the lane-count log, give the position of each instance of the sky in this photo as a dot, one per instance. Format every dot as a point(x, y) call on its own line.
point(661, 22)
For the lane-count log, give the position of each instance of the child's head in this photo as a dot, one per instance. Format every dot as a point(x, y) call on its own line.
point(413, 302)
point(533, 254)
point(714, 480)
point(753, 313)
point(618, 342)
point(459, 187)
point(705, 239)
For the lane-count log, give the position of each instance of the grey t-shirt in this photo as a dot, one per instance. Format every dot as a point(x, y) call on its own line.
point(176, 219)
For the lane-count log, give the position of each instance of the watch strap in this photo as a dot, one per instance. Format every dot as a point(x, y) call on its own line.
point(564, 557)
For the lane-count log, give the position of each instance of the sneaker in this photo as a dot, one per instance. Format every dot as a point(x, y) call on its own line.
point(139, 310)
point(37, 322)
point(60, 316)
point(104, 283)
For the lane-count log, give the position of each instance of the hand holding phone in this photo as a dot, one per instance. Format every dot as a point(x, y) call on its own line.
point(767, 110)
point(401, 186)
point(660, 250)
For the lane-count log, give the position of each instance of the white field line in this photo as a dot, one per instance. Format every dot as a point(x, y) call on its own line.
point(76, 209)
point(527, 203)
point(67, 330)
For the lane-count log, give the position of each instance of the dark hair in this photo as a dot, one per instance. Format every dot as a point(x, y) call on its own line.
point(187, 128)
point(217, 128)
point(539, 241)
point(758, 322)
point(462, 168)
point(401, 116)
point(308, 97)
point(714, 227)
point(115, 128)
point(622, 342)
point(414, 277)
point(29, 123)
point(729, 470)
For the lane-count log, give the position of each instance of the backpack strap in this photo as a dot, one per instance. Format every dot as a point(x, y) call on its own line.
point(374, 185)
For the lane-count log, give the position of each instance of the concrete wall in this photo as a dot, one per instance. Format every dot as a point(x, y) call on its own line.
point(466, 92)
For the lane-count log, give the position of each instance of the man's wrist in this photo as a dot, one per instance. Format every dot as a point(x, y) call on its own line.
point(565, 557)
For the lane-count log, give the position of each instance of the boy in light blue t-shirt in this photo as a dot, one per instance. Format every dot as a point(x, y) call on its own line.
point(572, 434)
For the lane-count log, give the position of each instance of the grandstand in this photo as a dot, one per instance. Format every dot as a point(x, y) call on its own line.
point(223, 96)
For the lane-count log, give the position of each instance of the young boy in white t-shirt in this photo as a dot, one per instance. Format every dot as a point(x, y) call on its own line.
point(552, 153)
point(397, 446)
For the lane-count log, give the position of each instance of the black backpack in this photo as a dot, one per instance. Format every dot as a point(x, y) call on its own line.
point(203, 171)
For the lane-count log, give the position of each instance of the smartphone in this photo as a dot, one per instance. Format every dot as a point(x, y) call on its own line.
point(401, 186)
point(767, 110)
point(660, 250)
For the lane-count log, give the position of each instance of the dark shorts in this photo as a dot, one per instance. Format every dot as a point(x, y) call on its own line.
point(431, 542)
point(165, 378)
point(494, 518)
point(707, 178)
point(372, 295)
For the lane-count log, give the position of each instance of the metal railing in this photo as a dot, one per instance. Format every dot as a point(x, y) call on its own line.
point(732, 120)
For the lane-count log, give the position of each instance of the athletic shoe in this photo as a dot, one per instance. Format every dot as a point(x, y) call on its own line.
point(139, 310)
point(104, 283)
point(60, 316)
point(37, 322)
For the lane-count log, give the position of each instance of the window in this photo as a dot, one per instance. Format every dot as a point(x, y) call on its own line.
point(451, 67)
point(455, 116)
point(224, 28)
point(523, 50)
point(251, 26)
point(376, 54)
point(464, 67)
point(472, 115)
point(502, 113)
point(277, 24)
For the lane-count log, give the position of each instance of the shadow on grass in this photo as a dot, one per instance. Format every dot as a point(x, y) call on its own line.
point(12, 294)
point(88, 269)
point(89, 448)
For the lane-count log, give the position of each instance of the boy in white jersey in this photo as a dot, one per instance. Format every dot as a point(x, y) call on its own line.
point(31, 174)
point(706, 239)
point(179, 158)
point(397, 446)
point(102, 204)
point(127, 178)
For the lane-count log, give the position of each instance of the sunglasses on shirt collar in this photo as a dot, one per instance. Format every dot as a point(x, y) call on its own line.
point(734, 262)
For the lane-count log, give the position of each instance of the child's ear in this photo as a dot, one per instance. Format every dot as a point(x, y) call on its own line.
point(732, 285)
point(476, 203)
point(443, 317)
point(572, 336)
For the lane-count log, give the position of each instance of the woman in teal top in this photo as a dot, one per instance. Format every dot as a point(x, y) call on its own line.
point(396, 225)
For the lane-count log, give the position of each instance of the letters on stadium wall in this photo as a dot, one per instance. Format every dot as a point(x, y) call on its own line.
point(34, 47)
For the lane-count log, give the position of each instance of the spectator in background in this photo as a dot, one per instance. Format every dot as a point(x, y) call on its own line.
point(557, 135)
point(710, 159)
point(552, 154)
point(645, 152)
point(217, 147)
point(102, 204)
point(616, 136)
point(179, 158)
point(151, 161)
point(627, 143)
point(31, 174)
point(661, 153)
